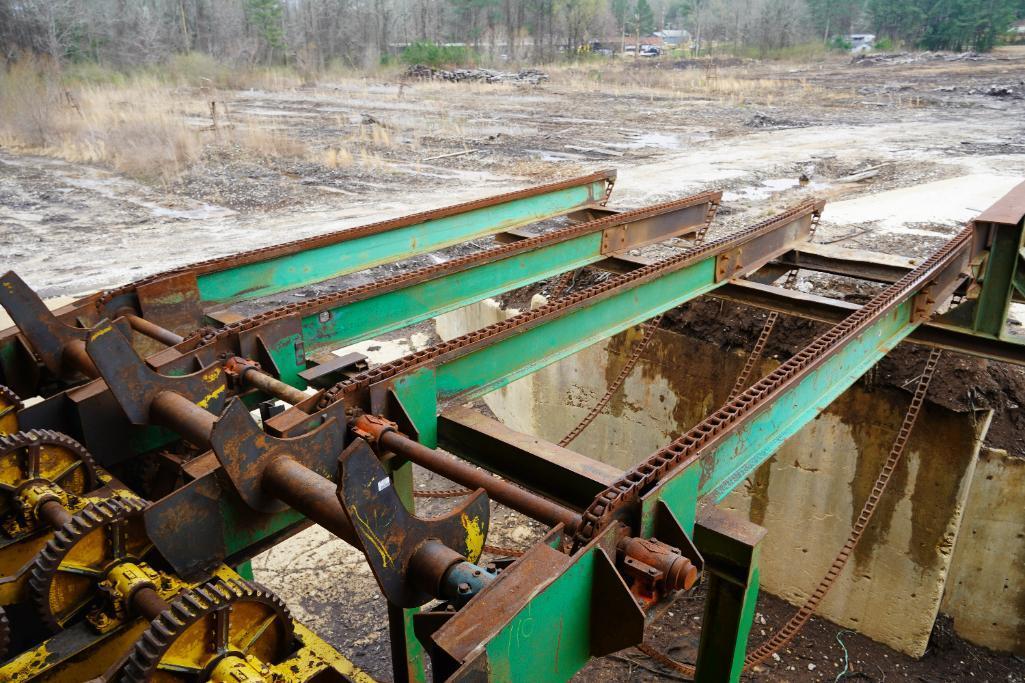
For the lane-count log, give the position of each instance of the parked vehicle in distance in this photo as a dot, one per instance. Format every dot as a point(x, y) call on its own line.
point(650, 51)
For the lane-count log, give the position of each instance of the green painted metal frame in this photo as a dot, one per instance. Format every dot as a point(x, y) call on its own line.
point(718, 471)
point(487, 368)
point(283, 267)
point(253, 280)
point(366, 318)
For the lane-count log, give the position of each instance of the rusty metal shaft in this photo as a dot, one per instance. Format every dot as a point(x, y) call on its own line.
point(173, 410)
point(316, 497)
point(148, 603)
point(75, 356)
point(506, 493)
point(251, 376)
point(309, 493)
point(53, 513)
point(153, 331)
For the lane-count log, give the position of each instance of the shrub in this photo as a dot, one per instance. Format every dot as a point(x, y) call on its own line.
point(433, 54)
point(883, 44)
point(840, 44)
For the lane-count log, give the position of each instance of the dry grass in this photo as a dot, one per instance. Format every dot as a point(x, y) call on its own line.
point(146, 126)
point(735, 84)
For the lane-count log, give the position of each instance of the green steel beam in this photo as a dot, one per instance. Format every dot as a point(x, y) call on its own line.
point(364, 318)
point(177, 299)
point(474, 370)
point(717, 467)
point(289, 271)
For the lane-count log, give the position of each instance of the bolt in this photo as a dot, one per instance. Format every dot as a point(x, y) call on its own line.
point(652, 571)
point(464, 588)
point(476, 572)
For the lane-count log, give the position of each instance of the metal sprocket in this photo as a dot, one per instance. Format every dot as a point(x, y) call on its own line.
point(221, 617)
point(10, 404)
point(65, 576)
point(42, 456)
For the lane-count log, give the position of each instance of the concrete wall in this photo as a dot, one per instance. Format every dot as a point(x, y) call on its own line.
point(986, 587)
point(809, 494)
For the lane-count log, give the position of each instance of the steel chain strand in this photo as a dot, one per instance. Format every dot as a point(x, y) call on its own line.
point(442, 493)
point(500, 550)
point(419, 358)
point(801, 617)
point(652, 470)
point(767, 328)
point(561, 284)
point(201, 339)
point(649, 334)
point(209, 265)
point(610, 184)
point(759, 347)
point(789, 631)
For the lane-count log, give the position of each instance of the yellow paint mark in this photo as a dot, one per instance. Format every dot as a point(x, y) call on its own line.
point(99, 333)
point(378, 544)
point(211, 396)
point(474, 537)
point(211, 376)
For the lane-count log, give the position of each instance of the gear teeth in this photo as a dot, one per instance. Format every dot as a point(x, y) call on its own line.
point(188, 608)
point(47, 562)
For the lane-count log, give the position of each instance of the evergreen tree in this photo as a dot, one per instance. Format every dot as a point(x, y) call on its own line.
point(645, 18)
point(265, 18)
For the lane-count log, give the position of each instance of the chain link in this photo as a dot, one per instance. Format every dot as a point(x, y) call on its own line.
point(649, 333)
point(689, 447)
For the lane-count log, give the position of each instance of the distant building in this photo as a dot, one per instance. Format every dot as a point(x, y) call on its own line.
point(673, 37)
point(861, 42)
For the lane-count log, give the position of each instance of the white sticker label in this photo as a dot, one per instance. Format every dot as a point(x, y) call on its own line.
point(383, 484)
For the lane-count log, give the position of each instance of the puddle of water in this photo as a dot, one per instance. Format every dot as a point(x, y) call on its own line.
point(769, 187)
point(656, 140)
point(548, 155)
point(260, 111)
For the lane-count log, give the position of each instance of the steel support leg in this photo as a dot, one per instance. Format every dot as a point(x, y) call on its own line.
point(730, 547)
point(409, 659)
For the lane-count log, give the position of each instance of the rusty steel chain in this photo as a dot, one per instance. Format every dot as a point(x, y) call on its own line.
point(203, 338)
point(252, 255)
point(689, 447)
point(789, 631)
point(649, 333)
point(759, 347)
point(551, 309)
point(767, 328)
point(502, 550)
point(801, 617)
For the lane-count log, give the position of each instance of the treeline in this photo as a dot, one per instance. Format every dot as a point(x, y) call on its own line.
point(313, 34)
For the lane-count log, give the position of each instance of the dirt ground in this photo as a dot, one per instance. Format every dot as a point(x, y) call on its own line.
point(945, 137)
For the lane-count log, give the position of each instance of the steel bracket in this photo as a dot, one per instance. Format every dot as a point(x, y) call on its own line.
point(391, 535)
point(244, 451)
point(135, 385)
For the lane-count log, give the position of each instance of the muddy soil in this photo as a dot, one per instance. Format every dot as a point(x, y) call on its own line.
point(961, 383)
point(822, 652)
